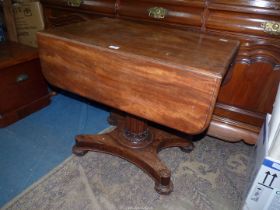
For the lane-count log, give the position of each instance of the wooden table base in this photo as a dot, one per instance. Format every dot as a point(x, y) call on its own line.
point(138, 143)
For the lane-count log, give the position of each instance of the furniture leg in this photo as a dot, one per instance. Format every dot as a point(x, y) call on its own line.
point(134, 141)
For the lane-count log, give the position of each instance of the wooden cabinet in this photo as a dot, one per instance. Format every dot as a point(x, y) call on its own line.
point(249, 94)
point(248, 91)
point(23, 89)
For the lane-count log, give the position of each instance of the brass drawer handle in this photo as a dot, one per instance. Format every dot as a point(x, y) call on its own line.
point(271, 27)
point(22, 77)
point(157, 12)
point(74, 3)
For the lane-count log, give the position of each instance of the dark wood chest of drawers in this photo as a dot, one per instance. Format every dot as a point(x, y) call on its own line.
point(248, 91)
point(23, 89)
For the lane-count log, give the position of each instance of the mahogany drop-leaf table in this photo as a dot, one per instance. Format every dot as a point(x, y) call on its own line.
point(153, 73)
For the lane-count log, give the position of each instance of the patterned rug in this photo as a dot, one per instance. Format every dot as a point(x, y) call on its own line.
point(212, 176)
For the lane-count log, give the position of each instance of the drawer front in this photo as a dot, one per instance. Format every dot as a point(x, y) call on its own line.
point(261, 25)
point(157, 11)
point(91, 6)
point(59, 17)
point(251, 6)
point(20, 85)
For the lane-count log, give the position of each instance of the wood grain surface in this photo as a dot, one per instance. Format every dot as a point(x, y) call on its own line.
point(12, 53)
point(256, 68)
point(165, 75)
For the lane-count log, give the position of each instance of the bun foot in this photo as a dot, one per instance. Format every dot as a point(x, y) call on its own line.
point(164, 189)
point(78, 151)
point(187, 149)
point(164, 186)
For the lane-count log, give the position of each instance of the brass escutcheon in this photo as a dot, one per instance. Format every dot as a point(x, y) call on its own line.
point(271, 27)
point(22, 77)
point(74, 3)
point(157, 12)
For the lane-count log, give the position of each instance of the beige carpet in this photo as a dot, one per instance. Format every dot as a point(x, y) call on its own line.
point(213, 176)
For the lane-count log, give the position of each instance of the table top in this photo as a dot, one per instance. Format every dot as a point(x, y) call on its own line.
point(165, 75)
point(12, 53)
point(199, 51)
